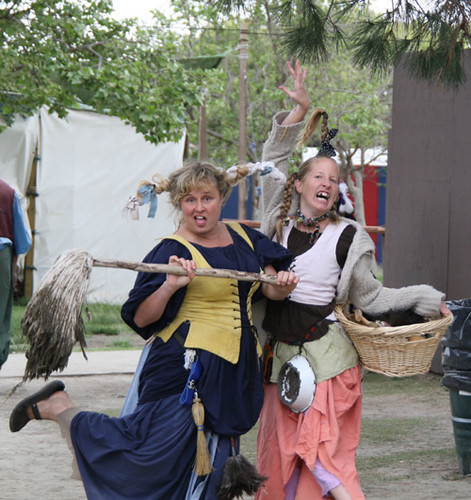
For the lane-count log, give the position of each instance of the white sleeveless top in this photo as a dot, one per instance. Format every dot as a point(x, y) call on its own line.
point(317, 268)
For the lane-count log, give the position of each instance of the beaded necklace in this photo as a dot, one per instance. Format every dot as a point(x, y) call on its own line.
point(308, 222)
point(311, 221)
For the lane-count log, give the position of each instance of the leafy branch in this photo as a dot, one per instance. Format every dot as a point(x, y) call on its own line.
point(431, 42)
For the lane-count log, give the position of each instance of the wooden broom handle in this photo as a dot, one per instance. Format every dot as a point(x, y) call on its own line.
point(174, 269)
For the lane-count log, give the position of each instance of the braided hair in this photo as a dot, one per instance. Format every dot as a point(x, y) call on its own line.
point(191, 176)
point(286, 203)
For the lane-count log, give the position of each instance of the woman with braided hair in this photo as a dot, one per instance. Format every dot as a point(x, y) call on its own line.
point(308, 451)
point(203, 354)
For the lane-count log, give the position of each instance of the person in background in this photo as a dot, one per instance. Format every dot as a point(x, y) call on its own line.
point(15, 239)
point(203, 354)
point(310, 454)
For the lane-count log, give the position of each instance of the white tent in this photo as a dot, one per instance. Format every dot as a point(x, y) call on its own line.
point(374, 156)
point(88, 166)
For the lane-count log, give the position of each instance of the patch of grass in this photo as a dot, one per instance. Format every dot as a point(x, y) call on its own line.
point(375, 384)
point(388, 430)
point(104, 318)
point(99, 318)
point(374, 466)
point(102, 328)
point(16, 334)
point(121, 344)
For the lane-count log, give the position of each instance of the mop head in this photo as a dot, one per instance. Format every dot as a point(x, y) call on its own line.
point(52, 322)
point(239, 477)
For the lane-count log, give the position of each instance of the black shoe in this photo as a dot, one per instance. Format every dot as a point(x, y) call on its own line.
point(19, 416)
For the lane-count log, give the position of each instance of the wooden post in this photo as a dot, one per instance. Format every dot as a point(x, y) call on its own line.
point(202, 133)
point(243, 59)
point(32, 193)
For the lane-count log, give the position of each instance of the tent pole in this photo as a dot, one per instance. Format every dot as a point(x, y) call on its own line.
point(32, 193)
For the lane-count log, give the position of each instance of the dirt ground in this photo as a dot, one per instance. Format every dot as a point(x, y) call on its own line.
point(35, 462)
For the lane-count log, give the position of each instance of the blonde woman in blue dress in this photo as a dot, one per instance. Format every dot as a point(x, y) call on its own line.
point(194, 321)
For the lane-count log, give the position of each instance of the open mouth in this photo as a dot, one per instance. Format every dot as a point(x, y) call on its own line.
point(323, 195)
point(200, 220)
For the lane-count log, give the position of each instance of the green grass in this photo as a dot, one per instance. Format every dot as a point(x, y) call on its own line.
point(121, 344)
point(17, 340)
point(389, 430)
point(372, 469)
point(99, 318)
point(104, 319)
point(375, 384)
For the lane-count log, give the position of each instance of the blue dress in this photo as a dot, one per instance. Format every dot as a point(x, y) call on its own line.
point(149, 454)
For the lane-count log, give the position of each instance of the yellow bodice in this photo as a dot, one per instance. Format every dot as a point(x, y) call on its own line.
point(211, 307)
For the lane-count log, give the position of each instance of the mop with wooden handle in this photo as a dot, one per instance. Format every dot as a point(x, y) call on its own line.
point(52, 322)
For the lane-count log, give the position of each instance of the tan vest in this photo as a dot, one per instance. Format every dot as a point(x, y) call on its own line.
point(211, 307)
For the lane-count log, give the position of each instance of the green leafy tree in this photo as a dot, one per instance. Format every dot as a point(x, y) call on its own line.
point(62, 54)
point(358, 103)
point(429, 37)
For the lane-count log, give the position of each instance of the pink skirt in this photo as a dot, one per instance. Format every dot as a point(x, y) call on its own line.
point(329, 430)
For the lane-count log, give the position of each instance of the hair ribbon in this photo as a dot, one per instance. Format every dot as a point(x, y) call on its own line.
point(326, 148)
point(147, 195)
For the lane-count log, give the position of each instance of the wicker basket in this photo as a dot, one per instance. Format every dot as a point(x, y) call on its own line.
point(395, 351)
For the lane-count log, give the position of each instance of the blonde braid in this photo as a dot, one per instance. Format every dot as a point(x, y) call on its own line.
point(311, 124)
point(324, 127)
point(241, 172)
point(285, 204)
point(162, 185)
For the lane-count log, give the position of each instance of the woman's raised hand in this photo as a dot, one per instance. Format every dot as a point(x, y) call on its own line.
point(299, 94)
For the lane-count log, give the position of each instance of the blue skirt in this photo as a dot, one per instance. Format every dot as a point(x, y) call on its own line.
point(147, 455)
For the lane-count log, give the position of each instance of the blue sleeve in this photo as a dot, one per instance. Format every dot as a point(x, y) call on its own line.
point(21, 234)
point(147, 283)
point(268, 251)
